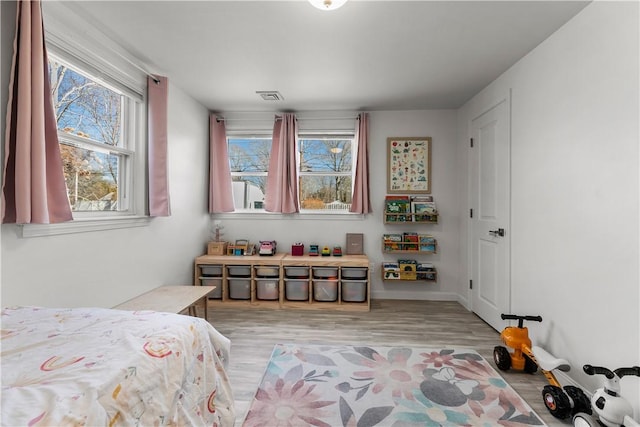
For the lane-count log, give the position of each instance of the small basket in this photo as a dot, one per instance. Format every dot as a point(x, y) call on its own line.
point(217, 248)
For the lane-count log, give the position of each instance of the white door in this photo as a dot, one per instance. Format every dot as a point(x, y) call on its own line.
point(489, 213)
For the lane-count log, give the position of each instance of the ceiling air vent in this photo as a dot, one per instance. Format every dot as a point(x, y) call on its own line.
point(270, 95)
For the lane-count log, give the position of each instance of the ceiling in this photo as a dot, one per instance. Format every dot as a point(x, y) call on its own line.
point(367, 55)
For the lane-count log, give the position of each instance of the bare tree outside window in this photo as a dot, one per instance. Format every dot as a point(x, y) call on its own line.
point(325, 173)
point(248, 162)
point(89, 118)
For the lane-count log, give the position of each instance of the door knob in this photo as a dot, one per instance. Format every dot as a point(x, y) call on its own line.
point(498, 232)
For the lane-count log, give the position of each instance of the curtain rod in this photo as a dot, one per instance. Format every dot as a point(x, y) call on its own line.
point(154, 78)
point(121, 55)
point(223, 119)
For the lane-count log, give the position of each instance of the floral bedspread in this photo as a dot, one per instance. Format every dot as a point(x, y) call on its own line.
point(105, 367)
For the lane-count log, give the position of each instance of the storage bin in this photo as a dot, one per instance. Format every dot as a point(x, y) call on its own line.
point(211, 270)
point(267, 289)
point(239, 270)
point(325, 290)
point(239, 288)
point(296, 290)
point(354, 290)
point(354, 272)
point(267, 271)
point(296, 272)
point(217, 282)
point(216, 248)
point(325, 272)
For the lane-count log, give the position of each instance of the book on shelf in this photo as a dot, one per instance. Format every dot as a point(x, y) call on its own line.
point(395, 207)
point(411, 241)
point(422, 199)
point(392, 242)
point(423, 211)
point(427, 243)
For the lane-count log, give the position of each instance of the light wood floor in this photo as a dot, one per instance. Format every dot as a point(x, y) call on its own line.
point(432, 324)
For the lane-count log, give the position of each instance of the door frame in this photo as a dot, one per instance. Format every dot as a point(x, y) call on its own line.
point(476, 113)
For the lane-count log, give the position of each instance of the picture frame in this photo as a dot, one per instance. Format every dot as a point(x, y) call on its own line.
point(409, 165)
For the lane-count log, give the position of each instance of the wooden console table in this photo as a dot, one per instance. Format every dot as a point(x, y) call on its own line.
point(172, 299)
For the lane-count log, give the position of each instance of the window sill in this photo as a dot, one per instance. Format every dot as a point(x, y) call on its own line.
point(84, 225)
point(306, 215)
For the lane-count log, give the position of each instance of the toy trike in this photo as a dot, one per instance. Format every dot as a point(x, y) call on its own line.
point(561, 402)
point(611, 409)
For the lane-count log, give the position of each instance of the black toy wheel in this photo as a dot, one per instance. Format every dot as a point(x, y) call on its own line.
point(556, 401)
point(502, 358)
point(529, 365)
point(581, 402)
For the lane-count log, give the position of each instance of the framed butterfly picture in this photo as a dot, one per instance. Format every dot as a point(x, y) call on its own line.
point(409, 165)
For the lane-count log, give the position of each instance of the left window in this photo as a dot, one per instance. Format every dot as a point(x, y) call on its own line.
point(249, 162)
point(96, 130)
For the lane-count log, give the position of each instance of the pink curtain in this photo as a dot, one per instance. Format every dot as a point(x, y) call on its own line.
point(220, 187)
point(159, 203)
point(34, 191)
point(361, 203)
point(282, 177)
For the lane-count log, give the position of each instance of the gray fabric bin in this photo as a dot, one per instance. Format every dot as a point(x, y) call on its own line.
point(240, 288)
point(267, 289)
point(354, 272)
point(325, 290)
point(211, 270)
point(325, 272)
point(213, 281)
point(267, 270)
point(239, 270)
point(354, 290)
point(296, 290)
point(296, 272)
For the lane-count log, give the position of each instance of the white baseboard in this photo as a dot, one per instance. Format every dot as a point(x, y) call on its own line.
point(426, 296)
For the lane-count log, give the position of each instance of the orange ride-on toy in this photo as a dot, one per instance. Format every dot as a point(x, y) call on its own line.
point(561, 402)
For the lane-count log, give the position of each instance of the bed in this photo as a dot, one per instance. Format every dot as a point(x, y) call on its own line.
point(106, 367)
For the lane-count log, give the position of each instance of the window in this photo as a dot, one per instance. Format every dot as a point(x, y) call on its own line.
point(96, 131)
point(325, 171)
point(249, 162)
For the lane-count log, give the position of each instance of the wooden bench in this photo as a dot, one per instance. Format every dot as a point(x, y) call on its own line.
point(172, 299)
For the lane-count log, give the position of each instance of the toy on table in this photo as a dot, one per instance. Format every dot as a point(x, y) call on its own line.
point(561, 402)
point(337, 251)
point(297, 249)
point(267, 247)
point(240, 247)
point(326, 251)
point(313, 250)
point(611, 409)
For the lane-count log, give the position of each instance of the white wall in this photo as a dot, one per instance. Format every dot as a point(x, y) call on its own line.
point(105, 268)
point(575, 189)
point(575, 200)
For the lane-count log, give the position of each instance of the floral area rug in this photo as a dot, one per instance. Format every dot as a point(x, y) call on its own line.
point(332, 386)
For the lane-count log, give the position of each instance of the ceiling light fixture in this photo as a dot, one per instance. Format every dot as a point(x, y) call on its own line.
point(327, 4)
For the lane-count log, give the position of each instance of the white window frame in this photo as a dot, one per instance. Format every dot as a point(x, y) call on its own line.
point(80, 46)
point(130, 115)
point(304, 213)
point(247, 135)
point(352, 174)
